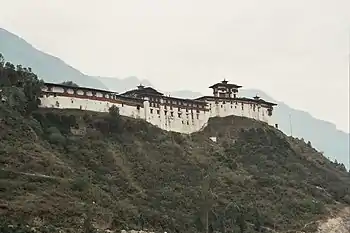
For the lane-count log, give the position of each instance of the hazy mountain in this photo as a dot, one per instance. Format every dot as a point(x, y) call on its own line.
point(323, 135)
point(121, 85)
point(47, 67)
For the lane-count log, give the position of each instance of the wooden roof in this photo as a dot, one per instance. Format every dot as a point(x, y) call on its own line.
point(143, 91)
point(260, 101)
point(225, 83)
point(80, 88)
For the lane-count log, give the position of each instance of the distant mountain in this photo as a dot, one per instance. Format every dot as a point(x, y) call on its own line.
point(121, 85)
point(323, 135)
point(47, 67)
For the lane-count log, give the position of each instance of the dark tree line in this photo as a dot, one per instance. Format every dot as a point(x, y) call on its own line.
point(20, 87)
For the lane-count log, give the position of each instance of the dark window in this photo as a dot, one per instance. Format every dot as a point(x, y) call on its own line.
point(269, 111)
point(151, 111)
point(138, 107)
point(158, 112)
point(172, 114)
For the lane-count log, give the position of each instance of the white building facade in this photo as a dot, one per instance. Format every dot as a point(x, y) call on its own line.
point(168, 113)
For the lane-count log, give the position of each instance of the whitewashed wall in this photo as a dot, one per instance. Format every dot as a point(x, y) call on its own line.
point(179, 121)
point(63, 102)
point(239, 108)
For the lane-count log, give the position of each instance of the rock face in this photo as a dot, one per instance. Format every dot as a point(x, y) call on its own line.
point(338, 224)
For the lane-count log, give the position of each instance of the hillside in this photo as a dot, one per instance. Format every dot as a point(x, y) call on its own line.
point(60, 168)
point(334, 143)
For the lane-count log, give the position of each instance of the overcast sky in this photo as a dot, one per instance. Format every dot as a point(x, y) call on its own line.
point(296, 50)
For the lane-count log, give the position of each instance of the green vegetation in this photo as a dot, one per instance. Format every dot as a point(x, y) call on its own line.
point(70, 83)
point(77, 170)
point(20, 87)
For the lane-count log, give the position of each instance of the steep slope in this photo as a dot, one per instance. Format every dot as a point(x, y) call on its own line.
point(47, 67)
point(123, 173)
point(323, 135)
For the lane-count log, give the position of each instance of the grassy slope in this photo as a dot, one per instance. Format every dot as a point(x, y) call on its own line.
point(143, 176)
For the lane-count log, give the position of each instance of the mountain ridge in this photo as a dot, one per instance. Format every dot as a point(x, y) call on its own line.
point(332, 141)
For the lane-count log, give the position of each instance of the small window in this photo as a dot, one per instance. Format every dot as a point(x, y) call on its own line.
point(172, 114)
point(165, 112)
point(269, 112)
point(179, 115)
point(158, 112)
point(197, 116)
point(151, 110)
point(138, 107)
point(221, 106)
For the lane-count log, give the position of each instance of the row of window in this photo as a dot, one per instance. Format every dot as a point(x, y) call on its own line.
point(176, 102)
point(171, 108)
point(179, 114)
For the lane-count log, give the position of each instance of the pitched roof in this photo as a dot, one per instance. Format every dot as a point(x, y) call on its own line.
point(260, 101)
point(143, 91)
point(80, 88)
point(225, 83)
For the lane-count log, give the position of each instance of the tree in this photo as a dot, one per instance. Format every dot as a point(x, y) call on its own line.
point(70, 83)
point(18, 82)
point(2, 60)
point(114, 111)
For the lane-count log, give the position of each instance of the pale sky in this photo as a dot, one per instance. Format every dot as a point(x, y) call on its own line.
point(296, 50)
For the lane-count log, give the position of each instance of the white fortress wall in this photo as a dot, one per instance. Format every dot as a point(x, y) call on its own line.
point(239, 108)
point(98, 102)
point(175, 118)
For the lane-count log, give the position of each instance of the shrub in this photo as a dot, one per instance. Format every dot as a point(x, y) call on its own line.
point(57, 138)
point(114, 111)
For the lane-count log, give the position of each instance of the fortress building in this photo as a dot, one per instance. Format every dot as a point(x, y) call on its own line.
point(168, 113)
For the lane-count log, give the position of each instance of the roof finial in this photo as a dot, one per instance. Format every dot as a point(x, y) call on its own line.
point(140, 86)
point(224, 81)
